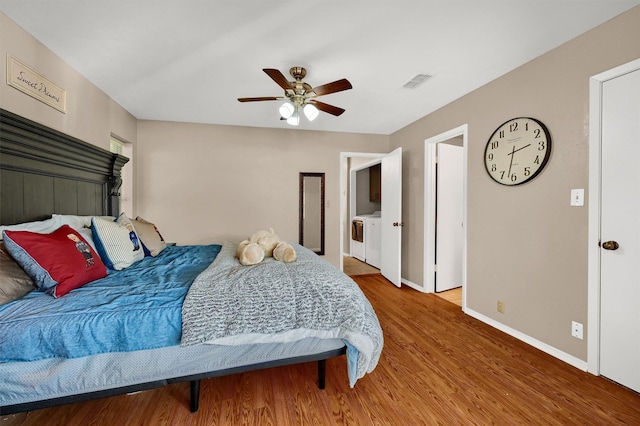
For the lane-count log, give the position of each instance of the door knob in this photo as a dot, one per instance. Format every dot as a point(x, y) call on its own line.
point(610, 245)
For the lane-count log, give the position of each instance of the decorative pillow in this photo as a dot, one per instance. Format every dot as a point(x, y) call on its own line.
point(117, 242)
point(57, 262)
point(152, 241)
point(14, 281)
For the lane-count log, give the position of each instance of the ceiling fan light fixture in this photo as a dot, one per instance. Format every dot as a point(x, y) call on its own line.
point(294, 120)
point(286, 110)
point(310, 111)
point(299, 96)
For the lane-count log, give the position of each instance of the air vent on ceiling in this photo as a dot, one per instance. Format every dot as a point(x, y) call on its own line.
point(417, 81)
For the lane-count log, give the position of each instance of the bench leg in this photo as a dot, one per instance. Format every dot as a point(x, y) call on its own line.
point(195, 395)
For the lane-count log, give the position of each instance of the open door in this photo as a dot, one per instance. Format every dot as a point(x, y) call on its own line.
point(391, 216)
point(449, 209)
point(457, 137)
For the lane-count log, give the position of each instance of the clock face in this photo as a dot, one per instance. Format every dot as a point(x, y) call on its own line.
point(517, 151)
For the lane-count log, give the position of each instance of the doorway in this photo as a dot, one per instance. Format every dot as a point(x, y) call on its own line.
point(391, 209)
point(456, 137)
point(449, 235)
point(614, 297)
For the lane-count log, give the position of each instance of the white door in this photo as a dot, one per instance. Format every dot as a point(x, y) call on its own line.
point(374, 242)
point(620, 213)
point(391, 216)
point(449, 232)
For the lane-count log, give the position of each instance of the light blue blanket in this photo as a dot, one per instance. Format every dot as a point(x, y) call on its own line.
point(137, 308)
point(231, 304)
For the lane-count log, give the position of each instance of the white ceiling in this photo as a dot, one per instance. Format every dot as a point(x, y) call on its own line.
point(189, 60)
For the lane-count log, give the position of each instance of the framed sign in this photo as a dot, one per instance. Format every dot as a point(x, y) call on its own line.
point(34, 84)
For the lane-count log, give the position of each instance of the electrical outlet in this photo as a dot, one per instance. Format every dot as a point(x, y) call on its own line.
point(501, 306)
point(576, 330)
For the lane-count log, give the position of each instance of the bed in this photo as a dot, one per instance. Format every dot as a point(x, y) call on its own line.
point(174, 316)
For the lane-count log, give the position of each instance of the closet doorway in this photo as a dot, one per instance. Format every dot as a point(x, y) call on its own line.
point(445, 218)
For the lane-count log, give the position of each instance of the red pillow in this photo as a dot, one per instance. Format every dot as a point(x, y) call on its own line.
point(57, 262)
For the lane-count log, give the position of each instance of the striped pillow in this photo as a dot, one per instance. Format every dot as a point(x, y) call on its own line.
point(117, 242)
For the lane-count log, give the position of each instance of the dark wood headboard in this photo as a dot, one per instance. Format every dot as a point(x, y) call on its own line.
point(43, 171)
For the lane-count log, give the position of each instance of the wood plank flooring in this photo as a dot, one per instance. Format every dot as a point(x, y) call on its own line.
point(438, 367)
point(454, 295)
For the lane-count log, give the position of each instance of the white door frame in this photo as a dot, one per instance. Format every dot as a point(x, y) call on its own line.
point(430, 211)
point(593, 260)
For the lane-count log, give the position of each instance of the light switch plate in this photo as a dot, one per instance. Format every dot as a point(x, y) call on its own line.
point(577, 197)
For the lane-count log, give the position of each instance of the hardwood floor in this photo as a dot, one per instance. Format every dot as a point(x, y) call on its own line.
point(453, 295)
point(438, 367)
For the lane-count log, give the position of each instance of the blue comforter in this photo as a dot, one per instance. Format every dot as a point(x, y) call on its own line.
point(137, 308)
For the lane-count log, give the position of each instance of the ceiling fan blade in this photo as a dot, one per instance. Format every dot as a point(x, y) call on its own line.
point(333, 87)
point(264, 98)
point(279, 78)
point(333, 110)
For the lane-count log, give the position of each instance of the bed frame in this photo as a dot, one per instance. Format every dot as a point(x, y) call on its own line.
point(43, 171)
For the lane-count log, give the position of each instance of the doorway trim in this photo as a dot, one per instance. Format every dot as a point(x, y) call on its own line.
point(430, 207)
point(593, 258)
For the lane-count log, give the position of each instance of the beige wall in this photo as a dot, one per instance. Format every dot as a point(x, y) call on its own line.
point(91, 115)
point(209, 184)
point(526, 245)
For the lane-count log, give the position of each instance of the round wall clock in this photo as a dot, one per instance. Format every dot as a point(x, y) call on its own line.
point(517, 151)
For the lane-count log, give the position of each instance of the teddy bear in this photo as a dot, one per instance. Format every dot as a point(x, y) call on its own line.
point(249, 253)
point(266, 239)
point(284, 252)
point(264, 243)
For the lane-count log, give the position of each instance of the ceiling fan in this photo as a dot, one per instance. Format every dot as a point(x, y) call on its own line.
point(299, 95)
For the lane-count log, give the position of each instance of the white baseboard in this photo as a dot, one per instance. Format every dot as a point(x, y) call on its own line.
point(412, 285)
point(563, 356)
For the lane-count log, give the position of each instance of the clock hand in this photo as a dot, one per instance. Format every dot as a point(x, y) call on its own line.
point(513, 149)
point(516, 150)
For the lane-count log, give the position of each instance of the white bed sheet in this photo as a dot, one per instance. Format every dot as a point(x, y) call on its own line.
point(25, 382)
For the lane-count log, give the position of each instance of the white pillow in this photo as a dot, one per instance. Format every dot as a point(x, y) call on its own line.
point(49, 225)
point(116, 242)
point(41, 227)
point(76, 222)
